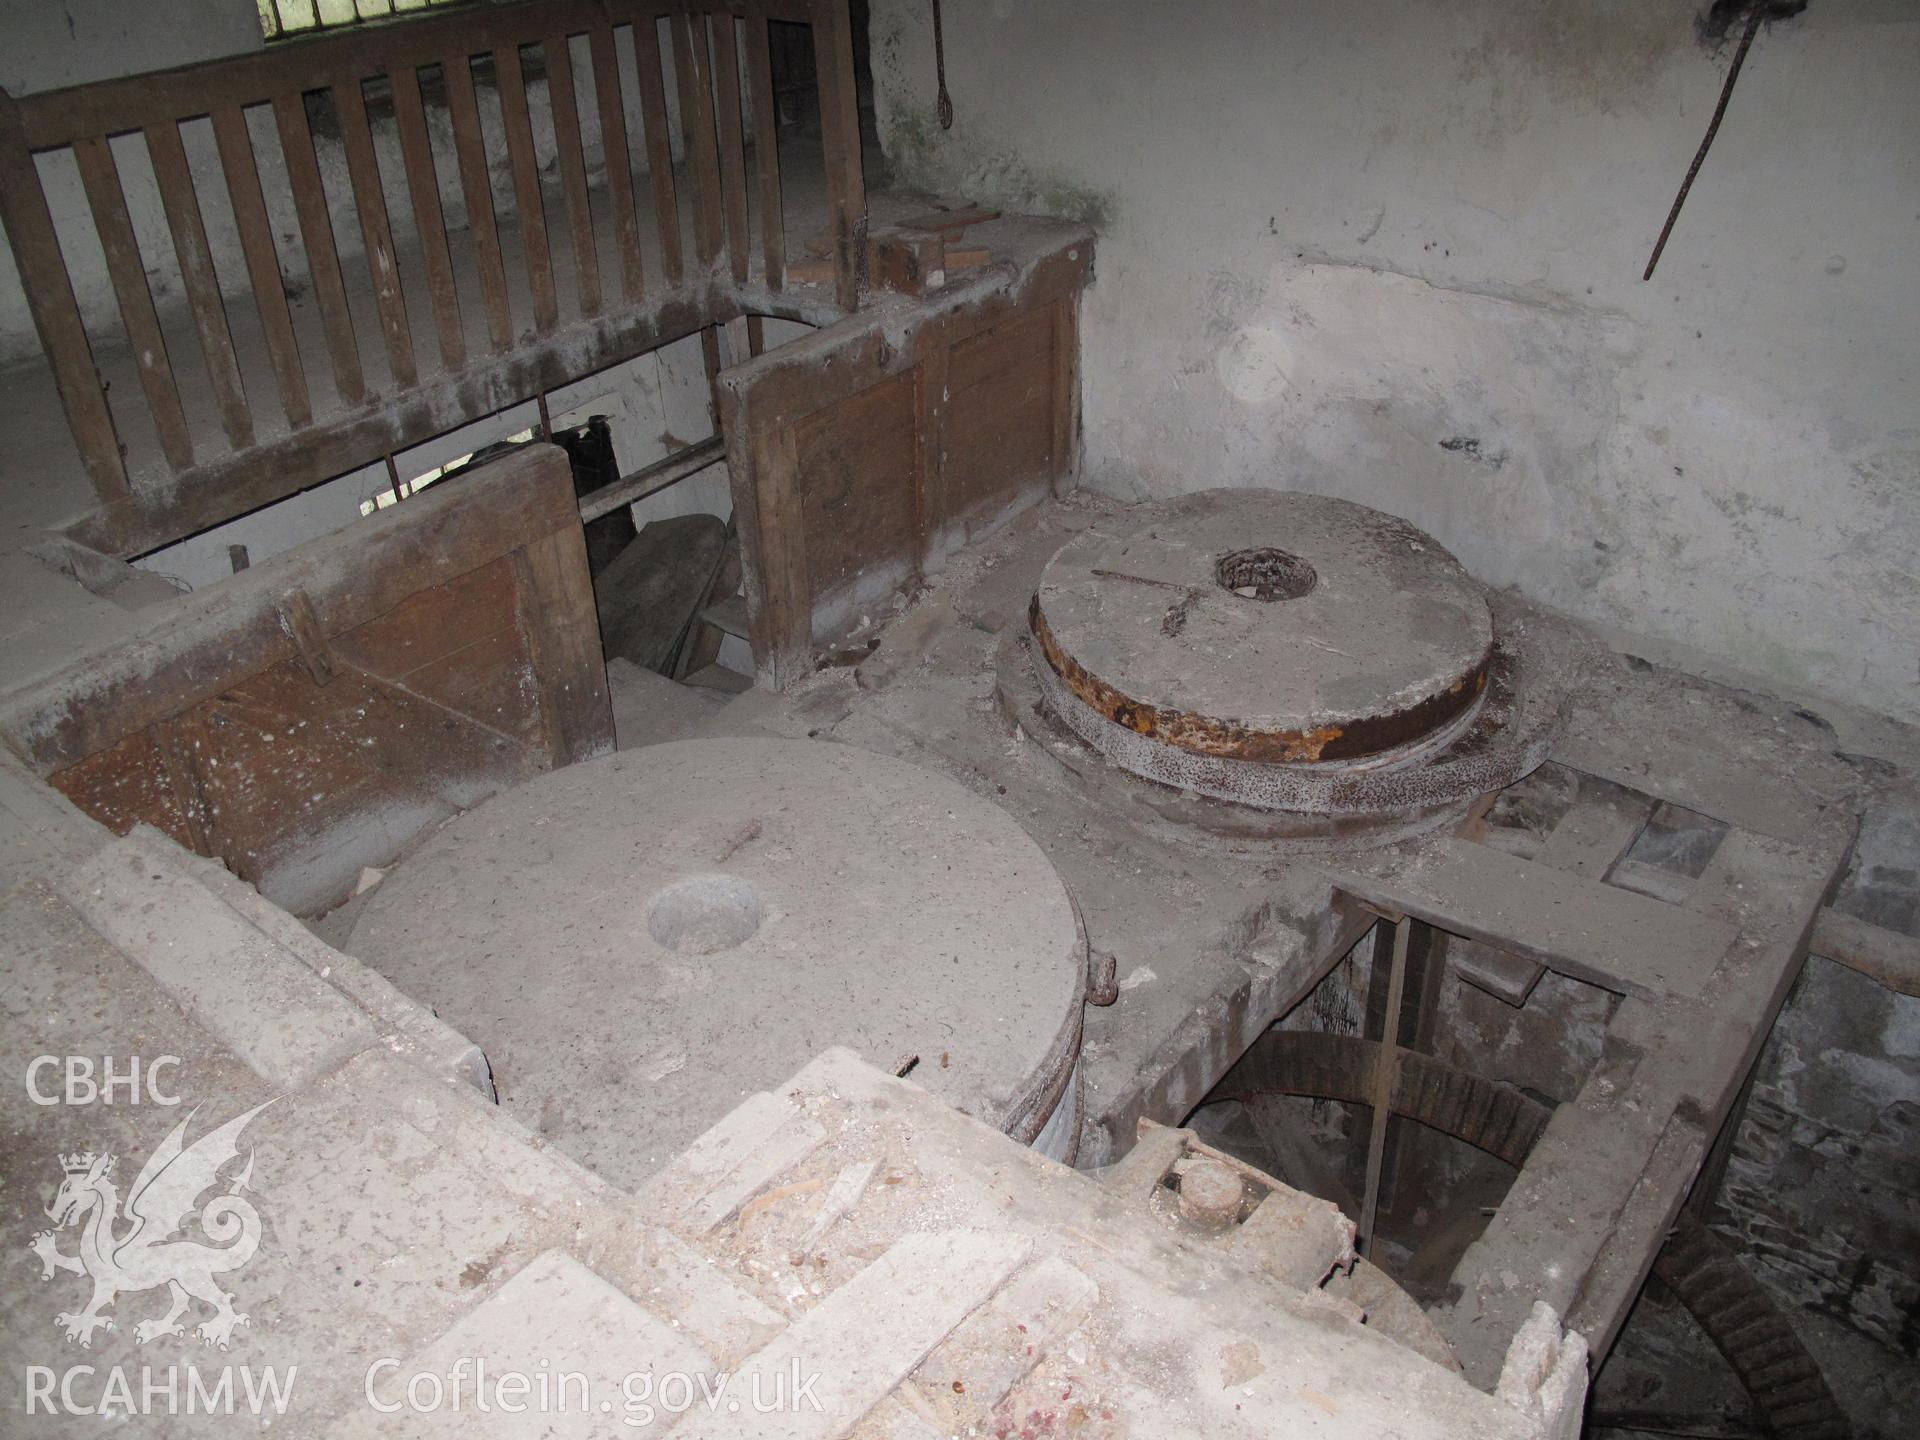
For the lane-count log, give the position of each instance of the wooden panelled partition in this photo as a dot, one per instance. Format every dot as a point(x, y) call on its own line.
point(314, 713)
point(475, 292)
point(863, 455)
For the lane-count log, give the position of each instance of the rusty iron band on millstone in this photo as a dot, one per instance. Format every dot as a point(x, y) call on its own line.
point(1234, 739)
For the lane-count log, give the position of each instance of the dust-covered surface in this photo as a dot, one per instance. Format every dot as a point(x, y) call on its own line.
point(639, 941)
point(1388, 620)
point(1111, 1321)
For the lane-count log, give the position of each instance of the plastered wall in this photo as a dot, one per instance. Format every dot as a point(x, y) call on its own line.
point(1393, 252)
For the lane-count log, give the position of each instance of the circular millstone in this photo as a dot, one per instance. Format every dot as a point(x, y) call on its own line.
point(1264, 626)
point(640, 941)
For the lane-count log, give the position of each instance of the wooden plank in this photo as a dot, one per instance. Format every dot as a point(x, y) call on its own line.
point(840, 137)
point(692, 68)
point(732, 141)
point(573, 169)
point(1501, 973)
point(653, 114)
point(619, 161)
point(1597, 933)
point(651, 479)
point(430, 227)
point(242, 173)
point(951, 222)
point(528, 206)
point(197, 278)
point(562, 633)
point(370, 201)
point(469, 145)
point(766, 155)
point(1600, 827)
point(316, 235)
point(56, 315)
point(101, 178)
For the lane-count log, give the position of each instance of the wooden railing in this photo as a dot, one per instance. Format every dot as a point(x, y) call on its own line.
point(627, 290)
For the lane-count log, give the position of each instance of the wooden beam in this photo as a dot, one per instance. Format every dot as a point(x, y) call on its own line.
point(1386, 1070)
point(840, 136)
point(1598, 933)
point(732, 143)
point(766, 155)
point(651, 479)
point(219, 489)
point(576, 714)
point(1884, 956)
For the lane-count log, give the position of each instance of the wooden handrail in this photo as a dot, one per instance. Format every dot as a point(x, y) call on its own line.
point(609, 305)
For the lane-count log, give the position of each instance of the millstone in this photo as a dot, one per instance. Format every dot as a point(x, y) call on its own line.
point(639, 941)
point(1261, 626)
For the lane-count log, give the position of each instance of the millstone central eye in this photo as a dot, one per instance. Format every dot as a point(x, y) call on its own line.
point(1265, 574)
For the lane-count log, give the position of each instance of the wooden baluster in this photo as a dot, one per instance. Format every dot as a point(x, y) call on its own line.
point(653, 112)
point(242, 172)
point(108, 201)
point(197, 277)
point(526, 186)
point(316, 235)
point(733, 145)
point(56, 315)
point(470, 144)
point(423, 187)
point(766, 153)
point(692, 69)
point(613, 140)
point(840, 135)
point(363, 170)
point(573, 169)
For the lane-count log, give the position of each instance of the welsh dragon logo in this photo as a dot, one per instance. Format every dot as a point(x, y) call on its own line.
point(141, 1246)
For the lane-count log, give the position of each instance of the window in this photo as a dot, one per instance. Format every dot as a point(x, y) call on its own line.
point(280, 18)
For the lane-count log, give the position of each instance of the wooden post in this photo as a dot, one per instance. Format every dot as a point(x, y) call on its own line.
point(1385, 1071)
point(840, 135)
